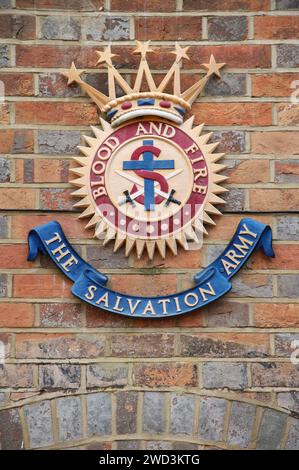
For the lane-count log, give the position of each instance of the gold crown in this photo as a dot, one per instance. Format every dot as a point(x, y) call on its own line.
point(154, 102)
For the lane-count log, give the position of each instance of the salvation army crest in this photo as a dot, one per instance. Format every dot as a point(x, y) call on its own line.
point(148, 179)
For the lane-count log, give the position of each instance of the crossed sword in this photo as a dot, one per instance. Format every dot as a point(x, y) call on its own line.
point(130, 197)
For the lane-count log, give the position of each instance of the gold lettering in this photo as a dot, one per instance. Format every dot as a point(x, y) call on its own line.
point(90, 294)
point(209, 291)
point(57, 238)
point(59, 250)
point(116, 306)
point(245, 231)
point(189, 302)
point(69, 262)
point(227, 266)
point(177, 304)
point(244, 247)
point(133, 307)
point(164, 302)
point(103, 299)
point(232, 255)
point(149, 308)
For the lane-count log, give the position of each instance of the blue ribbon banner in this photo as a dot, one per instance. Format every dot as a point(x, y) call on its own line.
point(211, 283)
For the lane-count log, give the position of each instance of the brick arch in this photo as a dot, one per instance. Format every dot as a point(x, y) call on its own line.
point(143, 419)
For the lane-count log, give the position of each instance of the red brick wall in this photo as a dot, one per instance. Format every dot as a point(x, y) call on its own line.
point(230, 360)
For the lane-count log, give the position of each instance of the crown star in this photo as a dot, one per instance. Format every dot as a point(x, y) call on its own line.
point(154, 102)
point(180, 52)
point(142, 48)
point(212, 67)
point(105, 56)
point(73, 75)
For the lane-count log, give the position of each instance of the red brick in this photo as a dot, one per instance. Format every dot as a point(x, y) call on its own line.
point(252, 285)
point(227, 28)
point(276, 84)
point(167, 28)
point(18, 396)
point(264, 397)
point(240, 56)
point(227, 5)
point(51, 171)
point(142, 345)
point(55, 56)
point(286, 257)
point(44, 171)
point(152, 285)
point(41, 286)
point(85, 56)
point(21, 171)
point(276, 27)
point(17, 84)
point(58, 5)
point(16, 141)
point(240, 114)
point(165, 375)
point(59, 346)
point(224, 313)
point(225, 345)
point(283, 344)
point(16, 376)
point(275, 374)
point(159, 58)
point(4, 113)
point(17, 198)
point(56, 199)
point(72, 227)
point(55, 85)
point(96, 318)
point(17, 26)
point(143, 5)
point(249, 171)
point(277, 143)
point(235, 55)
point(274, 199)
point(191, 320)
point(288, 114)
point(14, 256)
point(61, 315)
point(16, 315)
point(276, 315)
point(229, 141)
point(56, 113)
point(286, 171)
point(184, 259)
point(225, 230)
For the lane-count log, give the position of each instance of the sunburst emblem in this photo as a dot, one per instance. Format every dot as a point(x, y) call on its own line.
point(148, 179)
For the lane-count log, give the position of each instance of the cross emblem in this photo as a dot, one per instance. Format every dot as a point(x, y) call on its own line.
point(149, 165)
